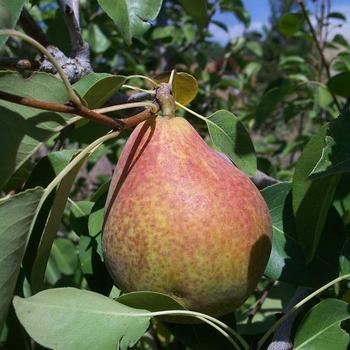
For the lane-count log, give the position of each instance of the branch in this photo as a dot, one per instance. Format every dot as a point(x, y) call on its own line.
point(319, 48)
point(70, 10)
point(19, 63)
point(117, 124)
point(282, 337)
point(253, 311)
point(78, 65)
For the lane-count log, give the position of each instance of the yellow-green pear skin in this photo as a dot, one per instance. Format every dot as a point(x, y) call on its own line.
point(184, 221)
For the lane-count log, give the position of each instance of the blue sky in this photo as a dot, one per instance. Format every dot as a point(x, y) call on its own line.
point(259, 11)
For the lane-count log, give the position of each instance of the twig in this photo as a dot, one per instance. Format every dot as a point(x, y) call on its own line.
point(31, 28)
point(319, 48)
point(282, 337)
point(117, 124)
point(19, 63)
point(253, 311)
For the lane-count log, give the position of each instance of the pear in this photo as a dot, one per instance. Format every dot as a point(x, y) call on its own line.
point(184, 221)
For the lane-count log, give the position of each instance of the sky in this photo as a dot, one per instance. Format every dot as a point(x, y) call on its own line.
point(259, 11)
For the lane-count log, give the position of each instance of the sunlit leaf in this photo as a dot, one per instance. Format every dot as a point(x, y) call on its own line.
point(63, 311)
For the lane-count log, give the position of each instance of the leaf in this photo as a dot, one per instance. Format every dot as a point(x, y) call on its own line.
point(23, 129)
point(98, 88)
point(185, 86)
point(64, 254)
point(92, 265)
point(340, 84)
point(287, 262)
point(229, 136)
point(10, 11)
point(290, 23)
point(312, 197)
point(337, 15)
point(321, 327)
point(97, 40)
point(335, 157)
point(151, 301)
point(131, 17)
point(64, 182)
point(87, 320)
point(17, 213)
point(197, 9)
point(323, 96)
point(79, 216)
point(52, 224)
point(344, 259)
point(269, 102)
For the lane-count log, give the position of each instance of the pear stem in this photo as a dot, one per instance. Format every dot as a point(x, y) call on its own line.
point(166, 99)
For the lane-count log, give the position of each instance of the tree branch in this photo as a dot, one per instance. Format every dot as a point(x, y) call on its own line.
point(19, 63)
point(282, 337)
point(78, 64)
point(70, 10)
point(319, 48)
point(117, 124)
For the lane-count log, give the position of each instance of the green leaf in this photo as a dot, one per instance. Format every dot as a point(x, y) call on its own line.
point(185, 86)
point(197, 9)
point(5, 17)
point(229, 136)
point(151, 301)
point(17, 213)
point(287, 262)
point(337, 15)
point(252, 68)
point(10, 11)
point(87, 320)
point(269, 102)
point(49, 167)
point(96, 217)
point(340, 84)
point(98, 88)
point(52, 224)
point(79, 216)
point(131, 17)
point(97, 40)
point(290, 23)
point(64, 254)
point(335, 157)
point(23, 128)
point(321, 327)
point(323, 96)
point(312, 197)
point(344, 259)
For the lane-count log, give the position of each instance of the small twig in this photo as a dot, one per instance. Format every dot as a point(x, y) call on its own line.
point(319, 48)
point(117, 124)
point(124, 106)
point(282, 337)
point(253, 311)
point(19, 63)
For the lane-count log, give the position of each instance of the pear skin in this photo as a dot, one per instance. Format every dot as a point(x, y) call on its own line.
point(184, 221)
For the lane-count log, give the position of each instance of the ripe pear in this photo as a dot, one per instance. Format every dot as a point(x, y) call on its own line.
point(184, 221)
